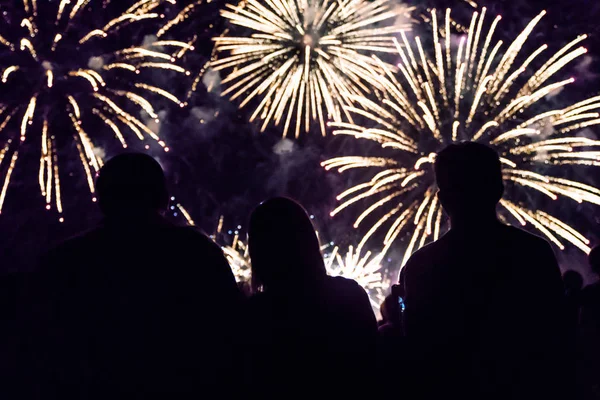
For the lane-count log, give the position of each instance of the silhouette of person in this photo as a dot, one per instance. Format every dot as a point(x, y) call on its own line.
point(10, 340)
point(390, 313)
point(573, 282)
point(484, 303)
point(390, 354)
point(591, 293)
point(589, 340)
point(138, 308)
point(310, 333)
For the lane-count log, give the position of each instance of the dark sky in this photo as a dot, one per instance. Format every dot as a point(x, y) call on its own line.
point(225, 167)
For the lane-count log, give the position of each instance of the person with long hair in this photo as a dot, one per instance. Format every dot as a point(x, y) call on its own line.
point(309, 331)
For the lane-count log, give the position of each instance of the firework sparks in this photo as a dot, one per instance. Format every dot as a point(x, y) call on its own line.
point(239, 259)
point(186, 215)
point(365, 269)
point(60, 69)
point(195, 21)
point(476, 92)
point(180, 18)
point(304, 59)
point(235, 250)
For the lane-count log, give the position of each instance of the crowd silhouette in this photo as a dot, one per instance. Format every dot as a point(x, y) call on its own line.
point(138, 308)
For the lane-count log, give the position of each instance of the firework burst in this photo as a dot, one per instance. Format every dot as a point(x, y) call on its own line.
point(482, 91)
point(62, 64)
point(304, 59)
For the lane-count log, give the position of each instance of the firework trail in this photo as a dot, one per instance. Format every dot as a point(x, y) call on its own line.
point(195, 22)
point(304, 59)
point(183, 16)
point(235, 250)
point(185, 213)
point(59, 67)
point(482, 91)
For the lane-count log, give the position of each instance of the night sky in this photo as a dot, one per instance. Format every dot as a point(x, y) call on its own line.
point(220, 164)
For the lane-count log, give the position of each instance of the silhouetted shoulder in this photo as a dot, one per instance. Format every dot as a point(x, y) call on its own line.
point(521, 237)
point(192, 234)
point(530, 251)
point(105, 243)
point(351, 296)
point(534, 266)
point(344, 286)
point(76, 242)
point(337, 286)
point(73, 247)
point(349, 302)
point(427, 255)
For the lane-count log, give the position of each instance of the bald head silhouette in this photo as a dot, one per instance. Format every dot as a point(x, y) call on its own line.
point(131, 184)
point(469, 178)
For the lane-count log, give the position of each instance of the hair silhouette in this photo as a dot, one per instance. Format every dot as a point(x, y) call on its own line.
point(278, 258)
point(132, 183)
point(308, 331)
point(469, 178)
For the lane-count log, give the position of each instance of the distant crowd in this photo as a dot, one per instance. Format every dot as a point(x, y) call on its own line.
point(138, 308)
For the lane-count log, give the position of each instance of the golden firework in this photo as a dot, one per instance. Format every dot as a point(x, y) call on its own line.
point(58, 69)
point(480, 90)
point(304, 59)
point(236, 251)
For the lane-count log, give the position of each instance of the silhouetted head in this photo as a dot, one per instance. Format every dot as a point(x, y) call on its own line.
point(573, 281)
point(131, 184)
point(469, 178)
point(389, 309)
point(594, 259)
point(284, 248)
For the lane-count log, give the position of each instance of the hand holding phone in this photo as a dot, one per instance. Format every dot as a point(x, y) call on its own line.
point(398, 293)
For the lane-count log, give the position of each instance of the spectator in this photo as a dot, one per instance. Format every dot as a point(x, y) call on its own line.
point(484, 304)
point(311, 333)
point(391, 323)
point(591, 293)
point(391, 345)
point(589, 343)
point(573, 282)
point(10, 338)
point(138, 308)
